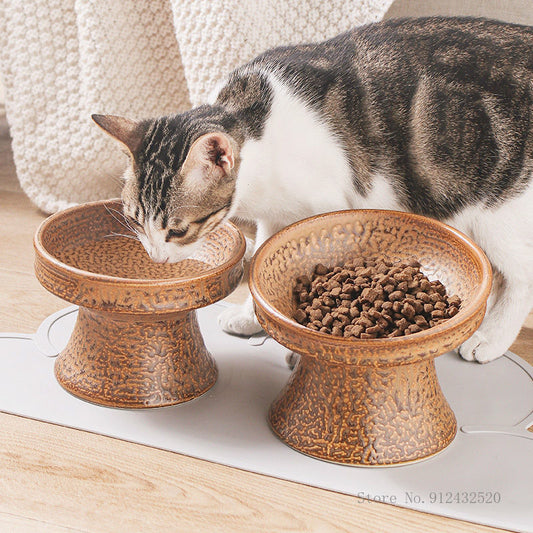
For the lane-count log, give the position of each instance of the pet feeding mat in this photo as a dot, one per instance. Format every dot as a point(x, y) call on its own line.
point(484, 476)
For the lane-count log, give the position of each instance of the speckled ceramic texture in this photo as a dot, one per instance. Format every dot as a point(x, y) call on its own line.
point(369, 402)
point(136, 342)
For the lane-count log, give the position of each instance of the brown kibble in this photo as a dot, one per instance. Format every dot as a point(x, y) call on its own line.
point(374, 313)
point(408, 310)
point(389, 288)
point(367, 272)
point(413, 285)
point(375, 329)
point(316, 314)
point(454, 301)
point(344, 320)
point(425, 285)
point(402, 276)
point(419, 306)
point(327, 320)
point(452, 311)
point(378, 304)
point(369, 295)
point(435, 297)
point(365, 322)
point(371, 299)
point(300, 316)
point(304, 280)
point(422, 296)
point(382, 323)
point(402, 324)
point(396, 295)
point(357, 262)
point(336, 331)
point(354, 312)
point(402, 286)
point(386, 317)
point(421, 321)
point(321, 270)
point(357, 330)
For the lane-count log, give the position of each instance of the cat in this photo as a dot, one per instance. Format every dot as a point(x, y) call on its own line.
point(431, 115)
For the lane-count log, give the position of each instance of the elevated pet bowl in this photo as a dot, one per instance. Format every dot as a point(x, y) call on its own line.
point(136, 342)
point(372, 401)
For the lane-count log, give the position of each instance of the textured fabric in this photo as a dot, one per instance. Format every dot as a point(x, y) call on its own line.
point(63, 60)
point(215, 36)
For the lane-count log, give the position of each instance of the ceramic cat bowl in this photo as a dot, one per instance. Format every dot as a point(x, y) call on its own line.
point(136, 342)
point(372, 401)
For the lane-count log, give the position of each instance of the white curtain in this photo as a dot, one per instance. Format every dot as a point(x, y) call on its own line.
point(62, 60)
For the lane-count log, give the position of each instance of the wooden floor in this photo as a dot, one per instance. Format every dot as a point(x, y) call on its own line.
point(58, 479)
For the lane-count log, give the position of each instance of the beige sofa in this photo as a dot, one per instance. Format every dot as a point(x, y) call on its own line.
point(517, 11)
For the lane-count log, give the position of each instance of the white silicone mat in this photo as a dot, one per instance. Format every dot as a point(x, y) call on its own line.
point(484, 476)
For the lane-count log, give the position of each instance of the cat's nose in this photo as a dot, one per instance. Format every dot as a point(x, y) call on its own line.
point(157, 257)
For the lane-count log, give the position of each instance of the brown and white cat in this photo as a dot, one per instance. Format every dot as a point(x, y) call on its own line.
point(431, 115)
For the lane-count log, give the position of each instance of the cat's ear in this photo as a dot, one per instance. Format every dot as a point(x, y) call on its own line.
point(210, 157)
point(129, 132)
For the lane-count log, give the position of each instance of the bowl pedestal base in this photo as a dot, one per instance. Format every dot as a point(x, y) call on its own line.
point(136, 361)
point(363, 415)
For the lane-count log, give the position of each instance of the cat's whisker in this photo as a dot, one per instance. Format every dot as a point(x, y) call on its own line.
point(132, 237)
point(124, 222)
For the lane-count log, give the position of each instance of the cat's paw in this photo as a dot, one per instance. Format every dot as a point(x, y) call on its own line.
point(479, 348)
point(239, 320)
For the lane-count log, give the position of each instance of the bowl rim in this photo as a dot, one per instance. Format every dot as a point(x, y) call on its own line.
point(453, 324)
point(45, 256)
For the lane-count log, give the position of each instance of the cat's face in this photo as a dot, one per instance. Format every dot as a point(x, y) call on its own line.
point(174, 193)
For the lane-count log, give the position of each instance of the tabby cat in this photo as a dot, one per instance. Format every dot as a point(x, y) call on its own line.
point(431, 115)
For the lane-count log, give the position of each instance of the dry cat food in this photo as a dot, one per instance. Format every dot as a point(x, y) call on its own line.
point(372, 299)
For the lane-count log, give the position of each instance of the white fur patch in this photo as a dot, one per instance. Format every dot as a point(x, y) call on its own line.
point(297, 168)
point(506, 235)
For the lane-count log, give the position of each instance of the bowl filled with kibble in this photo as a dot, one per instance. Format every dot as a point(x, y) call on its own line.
point(368, 299)
point(136, 342)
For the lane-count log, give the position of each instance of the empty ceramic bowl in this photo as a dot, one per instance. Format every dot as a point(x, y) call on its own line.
point(371, 401)
point(136, 342)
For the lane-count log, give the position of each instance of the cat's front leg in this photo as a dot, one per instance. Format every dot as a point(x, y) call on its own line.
point(241, 319)
point(501, 324)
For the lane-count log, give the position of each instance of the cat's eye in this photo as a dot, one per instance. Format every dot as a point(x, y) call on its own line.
point(176, 233)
